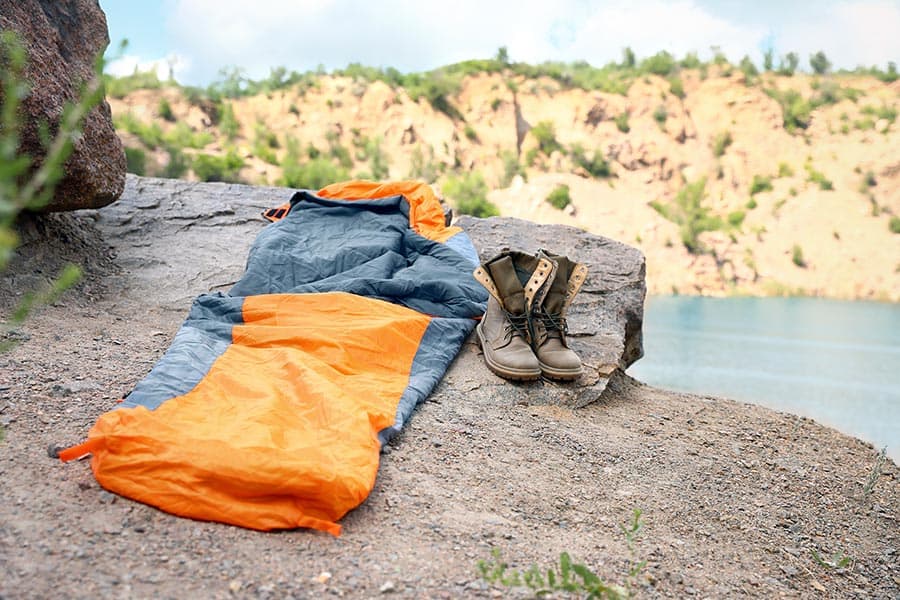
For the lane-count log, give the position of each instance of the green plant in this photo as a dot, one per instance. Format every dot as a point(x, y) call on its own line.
point(789, 63)
point(568, 576)
point(559, 197)
point(178, 164)
point(894, 224)
point(797, 256)
point(26, 184)
point(676, 87)
point(877, 467)
point(511, 167)
point(689, 212)
point(785, 170)
point(819, 178)
point(208, 167)
point(795, 109)
point(838, 560)
point(165, 110)
point(749, 70)
point(660, 115)
point(495, 104)
point(469, 195)
point(545, 134)
point(135, 161)
point(721, 143)
point(622, 122)
point(662, 64)
point(751, 204)
point(470, 133)
point(736, 218)
point(759, 184)
point(597, 166)
point(228, 123)
point(819, 63)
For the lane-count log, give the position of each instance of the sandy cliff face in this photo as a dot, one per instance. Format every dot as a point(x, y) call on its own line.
point(821, 225)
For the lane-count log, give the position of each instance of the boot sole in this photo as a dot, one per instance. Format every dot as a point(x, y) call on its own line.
point(506, 372)
point(560, 374)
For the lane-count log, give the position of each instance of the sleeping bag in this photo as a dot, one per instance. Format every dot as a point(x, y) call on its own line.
point(270, 407)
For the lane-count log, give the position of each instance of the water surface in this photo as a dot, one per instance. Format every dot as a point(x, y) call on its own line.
point(834, 361)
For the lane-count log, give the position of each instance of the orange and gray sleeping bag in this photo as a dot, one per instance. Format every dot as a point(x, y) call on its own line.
point(270, 408)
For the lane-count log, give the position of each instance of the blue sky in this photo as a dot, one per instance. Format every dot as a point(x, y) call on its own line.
point(197, 38)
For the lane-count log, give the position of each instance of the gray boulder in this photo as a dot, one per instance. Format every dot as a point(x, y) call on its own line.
point(605, 320)
point(63, 38)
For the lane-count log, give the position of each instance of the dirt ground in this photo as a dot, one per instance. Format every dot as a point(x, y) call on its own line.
point(735, 498)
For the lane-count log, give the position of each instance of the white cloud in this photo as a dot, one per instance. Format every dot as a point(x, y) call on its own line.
point(301, 34)
point(850, 33)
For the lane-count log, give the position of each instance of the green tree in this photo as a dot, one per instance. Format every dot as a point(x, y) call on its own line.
point(628, 58)
point(502, 56)
point(768, 60)
point(688, 211)
point(789, 63)
point(819, 63)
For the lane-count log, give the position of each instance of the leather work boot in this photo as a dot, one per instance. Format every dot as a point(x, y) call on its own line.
point(548, 320)
point(515, 281)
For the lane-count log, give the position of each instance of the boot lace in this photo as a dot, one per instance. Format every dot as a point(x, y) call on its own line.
point(516, 325)
point(554, 323)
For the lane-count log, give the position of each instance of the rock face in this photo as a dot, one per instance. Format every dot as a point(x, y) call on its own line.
point(63, 38)
point(218, 222)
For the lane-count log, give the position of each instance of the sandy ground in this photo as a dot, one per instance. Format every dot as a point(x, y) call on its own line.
point(735, 498)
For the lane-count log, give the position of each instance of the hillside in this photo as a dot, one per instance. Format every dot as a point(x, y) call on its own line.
point(802, 173)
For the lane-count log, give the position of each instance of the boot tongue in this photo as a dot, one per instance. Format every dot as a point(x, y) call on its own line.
point(512, 294)
point(556, 296)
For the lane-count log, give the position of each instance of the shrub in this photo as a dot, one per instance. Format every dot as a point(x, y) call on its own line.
point(894, 224)
point(165, 110)
point(760, 184)
point(736, 218)
point(819, 63)
point(545, 134)
point(785, 170)
point(751, 204)
point(869, 179)
point(660, 115)
point(495, 104)
point(819, 178)
point(676, 87)
point(560, 197)
point(228, 124)
point(797, 256)
point(208, 167)
point(149, 135)
point(622, 122)
point(469, 195)
point(788, 64)
point(749, 70)
point(511, 167)
point(182, 136)
point(662, 64)
point(470, 133)
point(119, 87)
point(178, 164)
point(598, 167)
point(688, 211)
point(795, 110)
point(312, 175)
point(135, 160)
point(721, 143)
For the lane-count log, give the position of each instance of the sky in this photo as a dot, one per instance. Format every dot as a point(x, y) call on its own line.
point(196, 39)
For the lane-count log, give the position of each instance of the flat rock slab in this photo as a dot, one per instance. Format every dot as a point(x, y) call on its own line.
point(175, 240)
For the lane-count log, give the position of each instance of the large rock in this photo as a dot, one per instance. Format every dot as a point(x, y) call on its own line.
point(605, 320)
point(63, 38)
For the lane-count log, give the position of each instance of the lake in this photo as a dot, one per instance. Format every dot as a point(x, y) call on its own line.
point(834, 361)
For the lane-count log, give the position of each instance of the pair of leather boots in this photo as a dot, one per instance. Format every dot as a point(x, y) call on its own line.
point(523, 332)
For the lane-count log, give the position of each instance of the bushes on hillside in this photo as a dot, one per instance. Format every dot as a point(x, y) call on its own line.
point(688, 211)
point(208, 167)
point(559, 197)
point(468, 193)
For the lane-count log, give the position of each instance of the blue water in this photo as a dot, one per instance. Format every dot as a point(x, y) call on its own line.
point(836, 362)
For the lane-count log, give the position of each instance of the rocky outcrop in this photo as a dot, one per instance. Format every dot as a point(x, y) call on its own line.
point(605, 321)
point(63, 39)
